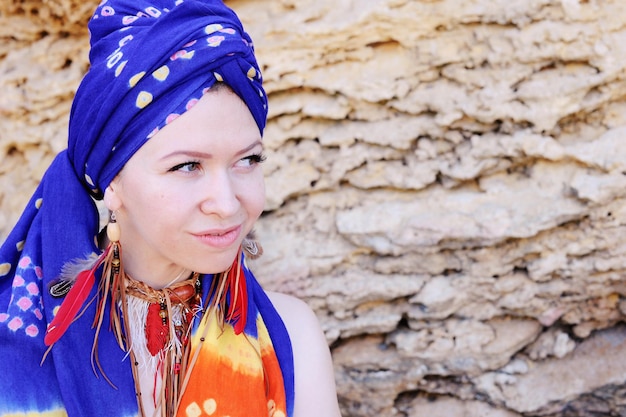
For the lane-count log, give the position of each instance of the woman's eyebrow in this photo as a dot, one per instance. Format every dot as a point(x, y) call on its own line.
point(193, 154)
point(249, 148)
point(206, 155)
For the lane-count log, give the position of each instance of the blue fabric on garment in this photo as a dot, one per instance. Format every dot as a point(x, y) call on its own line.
point(150, 61)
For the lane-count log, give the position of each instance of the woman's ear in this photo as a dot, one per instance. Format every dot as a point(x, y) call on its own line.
point(112, 199)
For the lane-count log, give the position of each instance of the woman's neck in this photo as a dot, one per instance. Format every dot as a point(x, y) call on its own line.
point(156, 279)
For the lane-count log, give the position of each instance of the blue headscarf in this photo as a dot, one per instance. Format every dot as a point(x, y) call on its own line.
point(150, 62)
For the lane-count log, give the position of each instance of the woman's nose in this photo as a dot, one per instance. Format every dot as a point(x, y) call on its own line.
point(220, 196)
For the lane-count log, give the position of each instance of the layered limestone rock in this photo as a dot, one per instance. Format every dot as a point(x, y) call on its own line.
point(446, 187)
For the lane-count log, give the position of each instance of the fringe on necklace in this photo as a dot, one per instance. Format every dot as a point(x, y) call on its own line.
point(158, 331)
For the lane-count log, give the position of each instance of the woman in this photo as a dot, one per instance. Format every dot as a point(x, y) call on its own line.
point(158, 314)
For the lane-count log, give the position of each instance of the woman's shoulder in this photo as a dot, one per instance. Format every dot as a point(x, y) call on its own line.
point(288, 305)
point(299, 318)
point(315, 383)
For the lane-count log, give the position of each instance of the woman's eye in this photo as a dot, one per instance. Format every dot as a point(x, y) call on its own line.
point(186, 167)
point(253, 159)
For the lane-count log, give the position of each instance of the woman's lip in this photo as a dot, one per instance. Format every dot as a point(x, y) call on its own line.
point(219, 238)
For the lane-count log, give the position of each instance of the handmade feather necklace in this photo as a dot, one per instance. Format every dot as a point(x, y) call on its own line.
point(159, 327)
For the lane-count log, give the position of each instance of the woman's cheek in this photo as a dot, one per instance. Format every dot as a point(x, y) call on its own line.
point(257, 195)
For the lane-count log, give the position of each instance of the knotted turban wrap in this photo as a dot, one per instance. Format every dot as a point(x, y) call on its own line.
point(150, 62)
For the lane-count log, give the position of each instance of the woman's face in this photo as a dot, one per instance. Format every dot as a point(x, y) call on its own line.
point(189, 196)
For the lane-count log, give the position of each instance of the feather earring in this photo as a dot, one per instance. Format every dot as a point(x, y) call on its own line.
point(229, 294)
point(251, 246)
point(80, 287)
point(238, 295)
point(81, 284)
point(74, 300)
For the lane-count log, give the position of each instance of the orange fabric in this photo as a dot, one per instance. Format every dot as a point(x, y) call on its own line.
point(235, 375)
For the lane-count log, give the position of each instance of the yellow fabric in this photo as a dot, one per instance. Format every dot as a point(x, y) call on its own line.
point(235, 375)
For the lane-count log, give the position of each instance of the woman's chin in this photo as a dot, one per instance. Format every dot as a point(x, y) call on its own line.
point(217, 265)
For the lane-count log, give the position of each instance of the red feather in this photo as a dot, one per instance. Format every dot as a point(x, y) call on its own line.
point(238, 296)
point(157, 332)
point(73, 302)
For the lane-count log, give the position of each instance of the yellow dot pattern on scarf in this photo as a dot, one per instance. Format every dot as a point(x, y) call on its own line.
point(161, 73)
point(4, 269)
point(38, 203)
point(212, 28)
point(119, 68)
point(59, 413)
point(20, 245)
point(135, 78)
point(188, 55)
point(143, 99)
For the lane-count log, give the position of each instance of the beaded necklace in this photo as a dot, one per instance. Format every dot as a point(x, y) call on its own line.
point(158, 331)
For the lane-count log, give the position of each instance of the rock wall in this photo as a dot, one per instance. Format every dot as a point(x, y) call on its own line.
point(446, 187)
